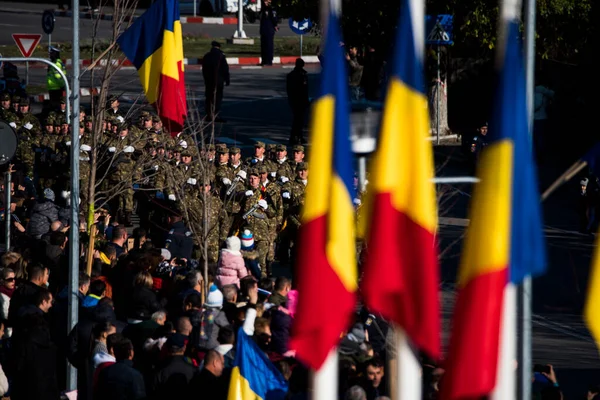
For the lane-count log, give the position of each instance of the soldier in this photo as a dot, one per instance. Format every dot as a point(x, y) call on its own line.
point(235, 159)
point(187, 176)
point(259, 155)
point(88, 123)
point(6, 112)
point(284, 168)
point(28, 122)
point(157, 125)
point(256, 211)
point(112, 109)
point(293, 200)
point(122, 173)
point(273, 193)
point(298, 156)
point(224, 174)
point(209, 167)
point(15, 100)
point(214, 224)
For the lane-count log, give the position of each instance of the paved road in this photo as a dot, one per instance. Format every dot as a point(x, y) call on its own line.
point(27, 23)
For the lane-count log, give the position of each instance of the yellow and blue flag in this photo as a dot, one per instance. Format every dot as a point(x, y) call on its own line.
point(254, 377)
point(504, 242)
point(154, 46)
point(326, 261)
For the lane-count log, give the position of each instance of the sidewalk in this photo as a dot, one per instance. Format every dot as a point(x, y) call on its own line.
point(106, 13)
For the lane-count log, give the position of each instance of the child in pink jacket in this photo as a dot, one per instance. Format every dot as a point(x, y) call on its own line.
point(231, 264)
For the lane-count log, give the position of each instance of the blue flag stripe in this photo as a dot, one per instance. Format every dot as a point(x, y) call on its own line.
point(408, 67)
point(510, 122)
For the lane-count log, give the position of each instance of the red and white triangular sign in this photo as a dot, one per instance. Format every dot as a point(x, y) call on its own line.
point(26, 42)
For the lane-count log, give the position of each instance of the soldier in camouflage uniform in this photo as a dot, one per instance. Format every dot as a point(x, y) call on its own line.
point(187, 177)
point(284, 168)
point(298, 157)
point(85, 147)
point(257, 210)
point(292, 194)
point(272, 191)
point(121, 149)
point(6, 111)
point(210, 205)
point(15, 100)
point(223, 174)
point(28, 123)
point(259, 156)
point(209, 168)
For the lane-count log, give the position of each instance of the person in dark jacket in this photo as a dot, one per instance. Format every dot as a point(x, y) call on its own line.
point(120, 381)
point(372, 76)
point(210, 381)
point(297, 92)
point(268, 27)
point(26, 293)
point(179, 239)
point(44, 213)
point(215, 71)
point(172, 380)
point(143, 301)
point(33, 353)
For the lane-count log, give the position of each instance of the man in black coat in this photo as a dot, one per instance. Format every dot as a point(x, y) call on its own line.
point(297, 91)
point(173, 379)
point(268, 27)
point(215, 71)
point(120, 381)
point(26, 293)
point(33, 355)
point(210, 381)
point(179, 240)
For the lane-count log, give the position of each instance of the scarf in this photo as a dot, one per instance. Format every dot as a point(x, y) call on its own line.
point(7, 291)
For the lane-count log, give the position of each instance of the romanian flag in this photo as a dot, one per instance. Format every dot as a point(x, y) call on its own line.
point(592, 305)
point(154, 45)
point(254, 377)
point(504, 242)
point(401, 271)
point(326, 264)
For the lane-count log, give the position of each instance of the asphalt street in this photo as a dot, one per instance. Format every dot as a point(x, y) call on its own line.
point(29, 23)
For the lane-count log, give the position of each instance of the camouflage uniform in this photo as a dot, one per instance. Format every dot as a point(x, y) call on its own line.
point(273, 194)
point(7, 114)
point(292, 194)
point(253, 162)
point(215, 215)
point(258, 221)
point(122, 171)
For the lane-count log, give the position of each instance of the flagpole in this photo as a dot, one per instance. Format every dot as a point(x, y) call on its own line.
point(505, 375)
point(405, 369)
point(324, 381)
point(525, 290)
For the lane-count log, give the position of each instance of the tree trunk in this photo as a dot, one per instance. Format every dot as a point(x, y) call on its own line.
point(439, 99)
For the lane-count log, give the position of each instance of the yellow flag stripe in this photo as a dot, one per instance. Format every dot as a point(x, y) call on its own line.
point(239, 387)
point(403, 165)
point(487, 242)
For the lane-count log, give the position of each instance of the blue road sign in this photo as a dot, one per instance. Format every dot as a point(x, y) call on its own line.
point(300, 27)
point(439, 29)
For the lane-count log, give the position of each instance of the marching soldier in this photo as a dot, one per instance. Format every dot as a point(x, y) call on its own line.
point(259, 157)
point(6, 112)
point(298, 157)
point(284, 168)
point(256, 211)
point(293, 199)
point(215, 217)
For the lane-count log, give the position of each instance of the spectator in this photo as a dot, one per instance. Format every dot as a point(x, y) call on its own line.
point(231, 264)
point(43, 214)
point(120, 381)
point(119, 240)
point(7, 289)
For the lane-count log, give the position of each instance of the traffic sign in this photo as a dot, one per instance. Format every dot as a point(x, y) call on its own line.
point(300, 27)
point(48, 21)
point(26, 42)
point(439, 29)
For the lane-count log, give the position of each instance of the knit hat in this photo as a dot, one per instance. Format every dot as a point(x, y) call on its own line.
point(247, 240)
point(49, 194)
point(233, 243)
point(215, 298)
point(165, 253)
point(584, 182)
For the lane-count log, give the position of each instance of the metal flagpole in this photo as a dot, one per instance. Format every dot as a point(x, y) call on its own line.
point(525, 292)
point(7, 185)
point(73, 301)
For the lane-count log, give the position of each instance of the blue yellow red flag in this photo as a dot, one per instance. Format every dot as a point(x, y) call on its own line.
point(326, 263)
point(504, 242)
point(401, 274)
point(154, 46)
point(254, 377)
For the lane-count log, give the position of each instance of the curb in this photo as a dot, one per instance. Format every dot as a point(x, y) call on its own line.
point(110, 17)
point(285, 60)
